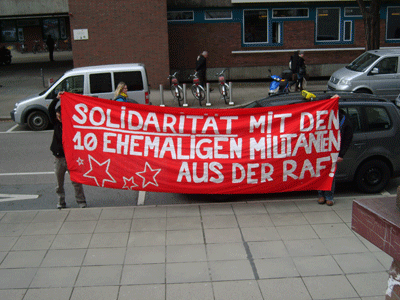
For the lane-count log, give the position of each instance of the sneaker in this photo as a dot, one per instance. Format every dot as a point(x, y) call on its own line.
point(329, 202)
point(321, 200)
point(82, 205)
point(60, 206)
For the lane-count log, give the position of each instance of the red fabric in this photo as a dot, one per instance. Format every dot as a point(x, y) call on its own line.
point(201, 151)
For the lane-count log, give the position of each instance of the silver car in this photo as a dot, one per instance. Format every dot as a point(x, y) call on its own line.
point(374, 72)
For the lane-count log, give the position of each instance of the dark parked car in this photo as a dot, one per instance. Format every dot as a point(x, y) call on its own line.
point(374, 156)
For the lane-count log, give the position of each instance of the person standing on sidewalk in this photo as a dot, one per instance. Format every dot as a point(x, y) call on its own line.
point(346, 136)
point(201, 67)
point(298, 67)
point(60, 162)
point(50, 46)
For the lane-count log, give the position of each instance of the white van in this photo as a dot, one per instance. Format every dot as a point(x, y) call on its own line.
point(96, 81)
point(374, 72)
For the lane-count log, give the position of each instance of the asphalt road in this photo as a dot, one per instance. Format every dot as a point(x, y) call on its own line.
point(26, 168)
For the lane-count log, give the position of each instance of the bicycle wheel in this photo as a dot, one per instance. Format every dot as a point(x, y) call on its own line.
point(202, 94)
point(198, 92)
point(224, 90)
point(179, 96)
point(177, 93)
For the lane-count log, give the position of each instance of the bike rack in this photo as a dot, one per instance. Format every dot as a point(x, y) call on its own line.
point(208, 94)
point(184, 95)
point(162, 95)
point(230, 94)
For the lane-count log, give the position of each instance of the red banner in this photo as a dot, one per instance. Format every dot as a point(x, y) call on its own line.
point(200, 151)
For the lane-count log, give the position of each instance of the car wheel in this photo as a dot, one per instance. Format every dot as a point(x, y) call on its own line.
point(372, 176)
point(38, 120)
point(363, 91)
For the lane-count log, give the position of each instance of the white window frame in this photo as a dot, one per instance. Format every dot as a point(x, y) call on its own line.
point(316, 25)
point(210, 19)
point(387, 19)
point(344, 31)
point(346, 15)
point(244, 27)
point(182, 20)
point(279, 34)
point(295, 17)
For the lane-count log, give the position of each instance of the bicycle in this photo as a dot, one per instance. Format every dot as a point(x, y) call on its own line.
point(176, 89)
point(197, 90)
point(37, 48)
point(223, 86)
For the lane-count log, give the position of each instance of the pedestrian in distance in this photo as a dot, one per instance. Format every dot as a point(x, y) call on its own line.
point(121, 95)
point(346, 136)
point(60, 163)
point(298, 67)
point(201, 68)
point(50, 46)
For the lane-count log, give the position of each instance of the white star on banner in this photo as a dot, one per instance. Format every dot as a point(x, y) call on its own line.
point(80, 161)
point(149, 174)
point(101, 169)
point(129, 183)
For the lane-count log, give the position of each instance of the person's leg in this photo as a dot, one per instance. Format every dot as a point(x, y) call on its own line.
point(60, 167)
point(321, 197)
point(300, 81)
point(329, 194)
point(79, 194)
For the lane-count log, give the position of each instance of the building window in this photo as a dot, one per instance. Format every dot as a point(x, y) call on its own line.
point(8, 31)
point(218, 15)
point(393, 23)
point(352, 12)
point(290, 13)
point(276, 32)
point(180, 16)
point(255, 26)
point(347, 32)
point(51, 27)
point(328, 20)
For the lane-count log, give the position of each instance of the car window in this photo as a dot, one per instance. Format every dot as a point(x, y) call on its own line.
point(377, 118)
point(73, 84)
point(361, 63)
point(387, 65)
point(133, 80)
point(353, 114)
point(100, 83)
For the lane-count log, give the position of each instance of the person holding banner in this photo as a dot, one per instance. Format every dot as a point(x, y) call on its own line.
point(346, 136)
point(121, 95)
point(60, 161)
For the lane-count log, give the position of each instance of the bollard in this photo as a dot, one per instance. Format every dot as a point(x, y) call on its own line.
point(230, 94)
point(208, 94)
point(184, 95)
point(162, 95)
point(41, 73)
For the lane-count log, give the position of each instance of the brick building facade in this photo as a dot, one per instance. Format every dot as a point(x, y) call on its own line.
point(246, 37)
point(122, 32)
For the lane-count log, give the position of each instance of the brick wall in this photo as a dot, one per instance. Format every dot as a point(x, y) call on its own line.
point(186, 41)
point(122, 32)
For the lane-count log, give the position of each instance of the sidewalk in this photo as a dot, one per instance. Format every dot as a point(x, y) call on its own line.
point(257, 250)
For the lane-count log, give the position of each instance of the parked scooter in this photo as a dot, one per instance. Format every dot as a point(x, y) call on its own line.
point(278, 85)
point(5, 56)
